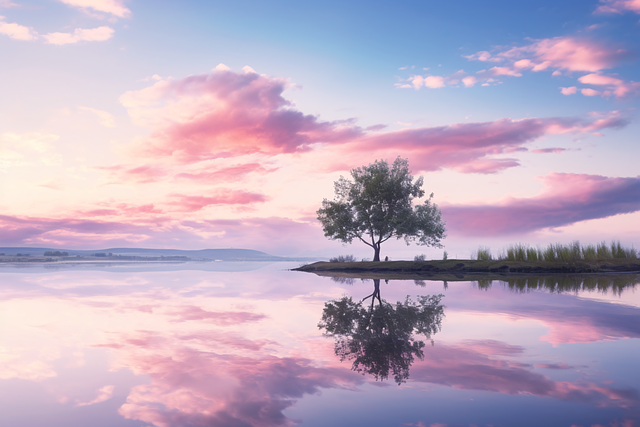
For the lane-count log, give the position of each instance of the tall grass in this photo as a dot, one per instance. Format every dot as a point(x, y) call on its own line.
point(483, 254)
point(558, 252)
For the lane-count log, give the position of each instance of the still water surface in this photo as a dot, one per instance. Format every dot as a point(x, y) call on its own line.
point(238, 344)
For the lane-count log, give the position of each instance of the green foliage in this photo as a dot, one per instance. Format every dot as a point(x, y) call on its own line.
point(377, 204)
point(343, 258)
point(421, 257)
point(589, 253)
point(484, 254)
point(533, 254)
point(565, 253)
point(603, 251)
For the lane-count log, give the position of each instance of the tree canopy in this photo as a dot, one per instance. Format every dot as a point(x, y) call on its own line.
point(377, 204)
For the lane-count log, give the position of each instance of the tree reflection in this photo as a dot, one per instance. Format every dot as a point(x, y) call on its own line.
point(382, 339)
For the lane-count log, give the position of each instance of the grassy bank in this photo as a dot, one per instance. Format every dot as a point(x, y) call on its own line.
point(465, 267)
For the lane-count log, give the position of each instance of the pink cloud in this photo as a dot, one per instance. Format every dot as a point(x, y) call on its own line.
point(504, 71)
point(492, 347)
point(569, 319)
point(458, 367)
point(225, 114)
point(220, 197)
point(278, 236)
point(228, 114)
point(138, 174)
point(568, 53)
point(122, 174)
point(434, 82)
point(226, 174)
point(618, 87)
point(560, 54)
point(222, 318)
point(469, 81)
point(618, 6)
point(548, 150)
point(204, 388)
point(226, 339)
point(105, 393)
point(590, 92)
point(468, 147)
point(568, 198)
point(483, 56)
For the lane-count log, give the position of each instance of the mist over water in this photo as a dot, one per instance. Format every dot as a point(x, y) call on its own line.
point(239, 344)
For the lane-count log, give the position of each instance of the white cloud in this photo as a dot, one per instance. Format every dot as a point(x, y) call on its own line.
point(16, 31)
point(80, 34)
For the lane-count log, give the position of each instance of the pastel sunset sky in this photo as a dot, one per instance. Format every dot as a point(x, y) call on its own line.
point(211, 124)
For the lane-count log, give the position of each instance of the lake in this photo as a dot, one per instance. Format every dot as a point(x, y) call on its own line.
point(238, 344)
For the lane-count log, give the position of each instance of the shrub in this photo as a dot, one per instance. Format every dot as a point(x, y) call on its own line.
point(343, 258)
point(421, 257)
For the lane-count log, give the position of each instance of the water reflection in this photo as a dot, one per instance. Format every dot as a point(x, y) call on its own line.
point(220, 349)
point(568, 283)
point(382, 339)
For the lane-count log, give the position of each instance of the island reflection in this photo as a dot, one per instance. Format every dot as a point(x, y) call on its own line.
point(382, 339)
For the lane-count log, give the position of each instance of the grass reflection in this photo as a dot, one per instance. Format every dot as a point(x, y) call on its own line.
point(615, 284)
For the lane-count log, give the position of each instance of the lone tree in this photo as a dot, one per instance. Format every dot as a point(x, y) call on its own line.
point(376, 205)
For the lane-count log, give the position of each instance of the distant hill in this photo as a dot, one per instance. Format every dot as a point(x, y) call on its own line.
point(209, 254)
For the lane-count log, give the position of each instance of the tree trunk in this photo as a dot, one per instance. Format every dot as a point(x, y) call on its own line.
point(376, 253)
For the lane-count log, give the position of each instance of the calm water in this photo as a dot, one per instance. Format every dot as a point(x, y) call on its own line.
point(187, 345)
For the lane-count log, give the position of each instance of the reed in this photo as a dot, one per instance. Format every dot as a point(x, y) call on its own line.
point(484, 254)
point(571, 252)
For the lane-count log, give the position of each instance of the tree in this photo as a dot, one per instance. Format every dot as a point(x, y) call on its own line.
point(383, 339)
point(376, 205)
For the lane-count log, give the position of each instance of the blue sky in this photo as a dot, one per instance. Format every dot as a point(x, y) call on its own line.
point(78, 130)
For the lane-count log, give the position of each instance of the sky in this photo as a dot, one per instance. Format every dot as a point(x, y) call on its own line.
point(198, 124)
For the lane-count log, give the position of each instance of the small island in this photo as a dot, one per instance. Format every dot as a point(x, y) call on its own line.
point(456, 269)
